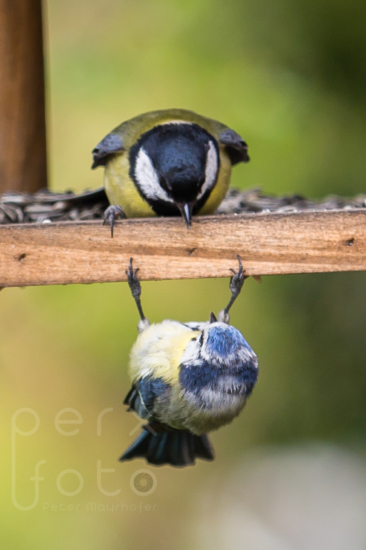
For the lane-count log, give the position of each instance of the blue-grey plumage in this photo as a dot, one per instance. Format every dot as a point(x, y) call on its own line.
point(187, 379)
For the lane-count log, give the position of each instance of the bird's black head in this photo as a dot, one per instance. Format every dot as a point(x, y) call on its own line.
point(174, 167)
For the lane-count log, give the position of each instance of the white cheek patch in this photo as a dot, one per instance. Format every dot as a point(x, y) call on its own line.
point(175, 122)
point(192, 352)
point(148, 179)
point(212, 166)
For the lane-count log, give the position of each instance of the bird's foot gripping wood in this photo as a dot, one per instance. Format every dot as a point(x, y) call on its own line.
point(236, 284)
point(111, 213)
point(237, 280)
point(135, 287)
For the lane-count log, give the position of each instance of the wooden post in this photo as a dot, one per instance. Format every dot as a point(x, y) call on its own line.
point(22, 103)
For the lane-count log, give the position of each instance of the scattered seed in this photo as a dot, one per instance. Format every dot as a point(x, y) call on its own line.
point(46, 206)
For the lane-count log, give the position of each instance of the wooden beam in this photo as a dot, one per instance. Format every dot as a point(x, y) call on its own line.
point(269, 244)
point(22, 104)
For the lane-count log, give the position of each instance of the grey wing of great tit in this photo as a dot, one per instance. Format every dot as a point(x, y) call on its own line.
point(111, 144)
point(236, 147)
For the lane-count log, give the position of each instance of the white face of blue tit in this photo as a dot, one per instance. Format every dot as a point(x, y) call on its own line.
point(174, 165)
point(218, 369)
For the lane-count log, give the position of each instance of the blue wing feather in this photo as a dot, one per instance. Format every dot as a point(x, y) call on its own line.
point(141, 397)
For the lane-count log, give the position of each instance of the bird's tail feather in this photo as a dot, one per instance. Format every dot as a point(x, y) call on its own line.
point(175, 447)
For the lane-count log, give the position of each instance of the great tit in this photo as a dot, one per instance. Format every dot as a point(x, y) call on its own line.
point(187, 379)
point(166, 163)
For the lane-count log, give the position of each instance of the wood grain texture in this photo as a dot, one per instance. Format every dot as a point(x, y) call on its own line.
point(269, 244)
point(22, 103)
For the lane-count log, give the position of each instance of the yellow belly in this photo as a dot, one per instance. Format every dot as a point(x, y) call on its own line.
point(121, 189)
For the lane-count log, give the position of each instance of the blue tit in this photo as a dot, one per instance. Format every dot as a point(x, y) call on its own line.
point(167, 163)
point(187, 379)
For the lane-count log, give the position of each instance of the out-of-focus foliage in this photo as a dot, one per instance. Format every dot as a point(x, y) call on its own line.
point(290, 78)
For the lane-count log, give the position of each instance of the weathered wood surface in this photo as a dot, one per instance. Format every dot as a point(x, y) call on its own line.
point(269, 244)
point(22, 104)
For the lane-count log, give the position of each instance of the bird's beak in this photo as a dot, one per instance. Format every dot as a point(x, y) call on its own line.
point(186, 211)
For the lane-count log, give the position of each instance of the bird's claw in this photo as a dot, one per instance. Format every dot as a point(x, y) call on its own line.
point(236, 284)
point(237, 280)
point(111, 213)
point(135, 288)
point(133, 281)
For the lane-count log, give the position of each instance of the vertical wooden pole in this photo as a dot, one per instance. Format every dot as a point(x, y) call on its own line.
point(22, 103)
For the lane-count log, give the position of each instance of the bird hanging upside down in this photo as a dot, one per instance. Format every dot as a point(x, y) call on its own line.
point(187, 379)
point(167, 163)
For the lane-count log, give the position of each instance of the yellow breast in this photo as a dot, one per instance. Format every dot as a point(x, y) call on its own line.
point(159, 349)
point(122, 191)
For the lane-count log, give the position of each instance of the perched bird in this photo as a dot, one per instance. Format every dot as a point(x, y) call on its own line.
point(188, 379)
point(166, 163)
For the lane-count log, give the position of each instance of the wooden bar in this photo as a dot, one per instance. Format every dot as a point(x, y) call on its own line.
point(269, 244)
point(22, 103)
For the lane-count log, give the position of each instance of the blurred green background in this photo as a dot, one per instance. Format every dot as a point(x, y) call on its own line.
point(290, 78)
